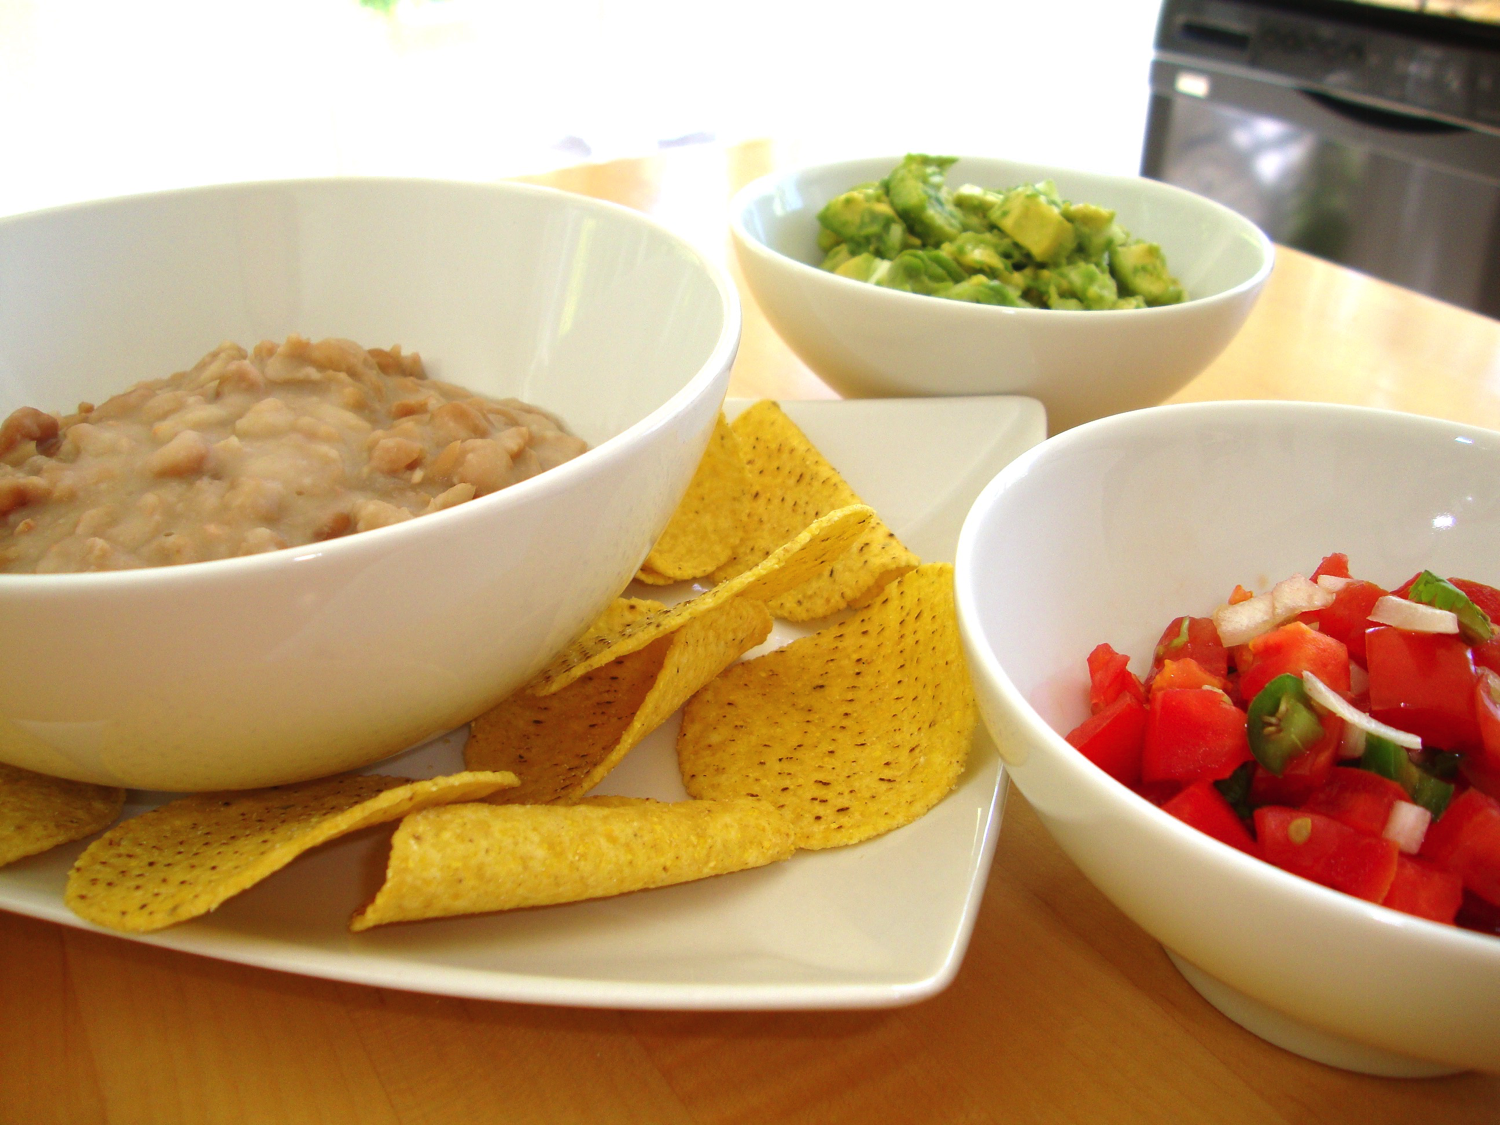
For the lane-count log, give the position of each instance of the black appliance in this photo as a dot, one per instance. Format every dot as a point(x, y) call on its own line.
point(1368, 134)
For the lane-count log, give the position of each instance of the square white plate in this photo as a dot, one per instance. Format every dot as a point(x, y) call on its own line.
point(881, 923)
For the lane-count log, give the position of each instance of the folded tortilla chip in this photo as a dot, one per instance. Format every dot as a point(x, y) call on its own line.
point(823, 541)
point(853, 731)
point(562, 745)
point(709, 522)
point(185, 858)
point(38, 812)
point(468, 859)
point(791, 485)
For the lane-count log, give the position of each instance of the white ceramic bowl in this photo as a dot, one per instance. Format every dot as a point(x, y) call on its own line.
point(867, 341)
point(308, 661)
point(1109, 531)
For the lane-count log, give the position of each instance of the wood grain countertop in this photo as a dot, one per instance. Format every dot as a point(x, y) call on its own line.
point(1063, 1010)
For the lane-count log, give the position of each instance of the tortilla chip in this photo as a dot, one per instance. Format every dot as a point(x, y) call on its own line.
point(791, 485)
point(562, 745)
point(38, 812)
point(468, 859)
point(709, 522)
point(185, 858)
point(853, 731)
point(620, 613)
point(794, 563)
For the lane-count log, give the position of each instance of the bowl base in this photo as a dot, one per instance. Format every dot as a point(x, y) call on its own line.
point(1303, 1039)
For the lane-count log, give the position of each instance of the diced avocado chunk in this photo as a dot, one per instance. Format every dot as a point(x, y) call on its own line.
point(1086, 283)
point(974, 204)
point(982, 290)
point(922, 271)
point(1140, 268)
point(917, 192)
point(827, 240)
point(1048, 190)
point(865, 220)
point(980, 253)
point(837, 257)
point(1096, 228)
point(1036, 223)
point(864, 267)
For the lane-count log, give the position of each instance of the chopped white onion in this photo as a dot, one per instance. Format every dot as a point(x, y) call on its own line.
point(1330, 700)
point(1240, 622)
point(1248, 619)
point(1359, 679)
point(1296, 595)
point(1407, 826)
point(1414, 617)
point(1353, 743)
point(1333, 582)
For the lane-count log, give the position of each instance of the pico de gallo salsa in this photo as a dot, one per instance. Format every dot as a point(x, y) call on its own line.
point(1341, 731)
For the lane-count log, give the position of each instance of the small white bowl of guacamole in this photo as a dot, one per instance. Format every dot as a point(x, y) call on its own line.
point(984, 330)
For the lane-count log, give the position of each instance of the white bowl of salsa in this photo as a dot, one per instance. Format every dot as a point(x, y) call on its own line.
point(329, 655)
point(1108, 532)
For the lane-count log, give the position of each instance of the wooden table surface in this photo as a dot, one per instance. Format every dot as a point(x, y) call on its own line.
point(1063, 1011)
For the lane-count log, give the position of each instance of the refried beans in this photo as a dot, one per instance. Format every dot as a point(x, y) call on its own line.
point(289, 444)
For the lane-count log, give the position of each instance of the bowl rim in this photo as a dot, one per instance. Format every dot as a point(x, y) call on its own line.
point(1080, 771)
point(556, 479)
point(757, 189)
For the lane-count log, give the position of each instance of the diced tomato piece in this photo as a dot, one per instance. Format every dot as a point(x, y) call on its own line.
point(1423, 683)
point(1205, 808)
point(1325, 851)
point(1487, 655)
point(1113, 739)
point(1466, 841)
point(1158, 792)
point(1335, 566)
point(1294, 648)
point(1358, 798)
point(1477, 773)
point(1194, 638)
point(1487, 713)
point(1425, 890)
point(1109, 677)
point(1349, 616)
point(1186, 673)
point(1487, 598)
point(1305, 774)
point(1193, 734)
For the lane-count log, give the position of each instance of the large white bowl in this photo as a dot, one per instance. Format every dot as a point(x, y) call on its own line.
point(864, 340)
point(308, 661)
point(1109, 531)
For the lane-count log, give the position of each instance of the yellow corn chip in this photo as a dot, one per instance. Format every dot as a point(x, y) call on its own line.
point(466, 859)
point(185, 858)
point(620, 613)
point(562, 745)
point(709, 522)
point(823, 541)
point(791, 485)
point(853, 731)
point(38, 812)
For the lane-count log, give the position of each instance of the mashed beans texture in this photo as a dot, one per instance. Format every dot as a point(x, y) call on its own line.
point(287, 445)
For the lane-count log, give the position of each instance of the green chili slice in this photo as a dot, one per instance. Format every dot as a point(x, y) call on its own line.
point(1282, 724)
point(1384, 757)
